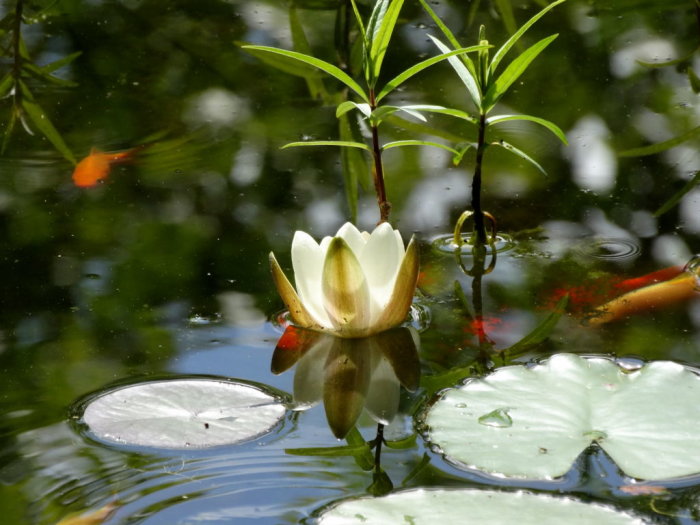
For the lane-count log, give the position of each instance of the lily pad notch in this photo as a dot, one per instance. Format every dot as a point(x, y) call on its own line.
point(534, 422)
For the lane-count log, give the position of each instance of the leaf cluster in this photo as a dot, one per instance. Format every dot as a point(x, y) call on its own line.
point(487, 82)
point(362, 96)
point(487, 79)
point(15, 84)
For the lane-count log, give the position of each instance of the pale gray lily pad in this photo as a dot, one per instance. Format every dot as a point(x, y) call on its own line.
point(430, 506)
point(533, 422)
point(183, 413)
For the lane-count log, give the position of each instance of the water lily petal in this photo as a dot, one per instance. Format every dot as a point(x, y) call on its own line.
point(384, 390)
point(347, 376)
point(351, 235)
point(308, 377)
point(291, 347)
point(399, 243)
point(345, 292)
point(402, 296)
point(299, 314)
point(307, 261)
point(325, 242)
point(399, 347)
point(380, 260)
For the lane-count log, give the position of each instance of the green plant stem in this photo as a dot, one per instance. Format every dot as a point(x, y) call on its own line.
point(378, 169)
point(17, 58)
point(479, 227)
point(342, 34)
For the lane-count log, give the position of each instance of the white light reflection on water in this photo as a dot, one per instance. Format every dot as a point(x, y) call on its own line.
point(593, 162)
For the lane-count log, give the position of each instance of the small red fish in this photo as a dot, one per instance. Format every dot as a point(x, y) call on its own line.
point(658, 276)
point(98, 164)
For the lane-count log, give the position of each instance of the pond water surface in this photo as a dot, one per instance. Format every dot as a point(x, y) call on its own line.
point(161, 269)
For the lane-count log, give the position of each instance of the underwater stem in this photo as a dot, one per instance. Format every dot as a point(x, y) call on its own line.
point(378, 169)
point(479, 227)
point(379, 440)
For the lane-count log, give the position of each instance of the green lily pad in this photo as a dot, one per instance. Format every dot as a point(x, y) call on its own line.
point(430, 506)
point(533, 422)
point(182, 413)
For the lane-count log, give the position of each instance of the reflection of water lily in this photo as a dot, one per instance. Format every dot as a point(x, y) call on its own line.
point(352, 285)
point(349, 374)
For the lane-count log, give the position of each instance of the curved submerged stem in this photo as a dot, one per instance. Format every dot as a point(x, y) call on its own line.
point(457, 235)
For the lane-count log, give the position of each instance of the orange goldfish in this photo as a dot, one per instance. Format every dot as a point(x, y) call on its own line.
point(657, 294)
point(98, 164)
point(608, 298)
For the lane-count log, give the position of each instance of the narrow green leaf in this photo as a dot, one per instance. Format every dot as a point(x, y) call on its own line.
point(675, 62)
point(457, 113)
point(414, 70)
point(670, 203)
point(61, 62)
point(694, 80)
point(343, 143)
point(291, 67)
point(505, 8)
point(461, 151)
point(29, 69)
point(379, 32)
point(349, 105)
point(415, 109)
point(551, 126)
point(660, 146)
point(6, 84)
point(7, 22)
point(9, 128)
point(363, 457)
point(438, 22)
point(354, 164)
point(324, 66)
point(520, 154)
point(331, 452)
point(464, 74)
point(379, 113)
point(423, 129)
point(541, 332)
point(301, 44)
point(358, 19)
point(435, 382)
point(43, 124)
point(402, 143)
point(23, 51)
point(482, 72)
point(402, 444)
point(516, 68)
point(473, 10)
point(516, 36)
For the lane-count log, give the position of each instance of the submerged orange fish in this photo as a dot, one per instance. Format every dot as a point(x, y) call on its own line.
point(680, 287)
point(608, 298)
point(98, 164)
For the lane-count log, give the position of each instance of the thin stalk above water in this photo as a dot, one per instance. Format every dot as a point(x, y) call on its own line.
point(378, 167)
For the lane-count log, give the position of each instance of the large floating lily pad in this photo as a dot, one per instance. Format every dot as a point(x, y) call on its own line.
point(183, 413)
point(534, 422)
point(430, 506)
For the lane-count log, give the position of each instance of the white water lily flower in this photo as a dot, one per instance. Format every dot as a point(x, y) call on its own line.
point(352, 285)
